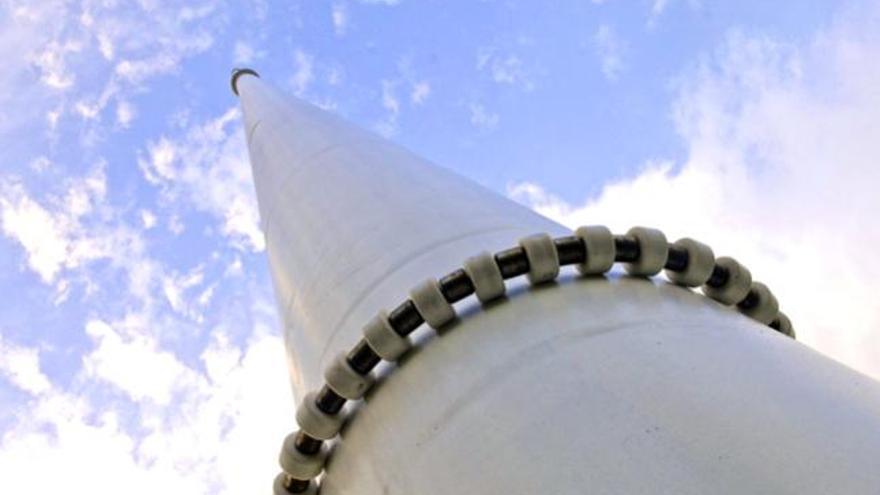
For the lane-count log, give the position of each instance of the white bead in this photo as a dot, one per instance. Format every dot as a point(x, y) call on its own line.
point(387, 343)
point(653, 252)
point(542, 256)
point(345, 381)
point(298, 465)
point(486, 276)
point(701, 261)
point(431, 304)
point(785, 326)
point(315, 422)
point(766, 309)
point(278, 486)
point(599, 243)
point(737, 285)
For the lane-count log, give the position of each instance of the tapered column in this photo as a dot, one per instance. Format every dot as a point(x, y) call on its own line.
point(352, 222)
point(602, 385)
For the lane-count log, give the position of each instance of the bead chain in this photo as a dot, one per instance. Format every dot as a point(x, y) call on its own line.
point(593, 249)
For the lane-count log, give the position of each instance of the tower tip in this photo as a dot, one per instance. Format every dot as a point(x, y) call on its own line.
point(238, 72)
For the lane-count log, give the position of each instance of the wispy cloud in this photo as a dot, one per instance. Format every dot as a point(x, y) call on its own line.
point(387, 126)
point(420, 92)
point(339, 15)
point(53, 234)
point(611, 50)
point(125, 113)
point(21, 366)
point(482, 118)
point(304, 72)
point(244, 53)
point(208, 169)
point(504, 68)
point(114, 50)
point(781, 173)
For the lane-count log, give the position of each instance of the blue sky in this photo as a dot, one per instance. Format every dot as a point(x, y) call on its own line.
point(139, 324)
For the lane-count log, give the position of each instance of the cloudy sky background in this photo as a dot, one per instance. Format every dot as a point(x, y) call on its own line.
point(139, 341)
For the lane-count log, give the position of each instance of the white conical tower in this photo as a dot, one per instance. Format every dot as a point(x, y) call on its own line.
point(585, 385)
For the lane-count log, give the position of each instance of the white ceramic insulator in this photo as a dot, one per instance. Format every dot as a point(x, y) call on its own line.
point(278, 487)
point(344, 380)
point(599, 244)
point(382, 338)
point(431, 304)
point(785, 326)
point(315, 422)
point(653, 251)
point(486, 276)
point(701, 262)
point(542, 256)
point(766, 309)
point(737, 286)
point(299, 465)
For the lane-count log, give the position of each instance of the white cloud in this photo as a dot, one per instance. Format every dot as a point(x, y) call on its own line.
point(659, 7)
point(69, 228)
point(209, 169)
point(125, 113)
point(245, 53)
point(304, 74)
point(387, 127)
point(220, 436)
point(40, 164)
point(42, 236)
point(482, 118)
point(53, 236)
point(179, 291)
point(21, 366)
point(135, 365)
point(176, 225)
point(420, 92)
point(86, 110)
point(610, 49)
point(162, 159)
point(148, 219)
point(106, 46)
point(52, 65)
point(88, 56)
point(334, 76)
point(504, 69)
point(781, 173)
point(339, 14)
point(389, 99)
point(52, 117)
point(381, 2)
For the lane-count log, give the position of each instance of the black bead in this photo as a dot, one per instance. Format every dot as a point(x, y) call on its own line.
point(329, 401)
point(363, 358)
point(512, 262)
point(456, 286)
point(720, 276)
point(678, 258)
point(626, 249)
point(306, 444)
point(571, 250)
point(405, 318)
